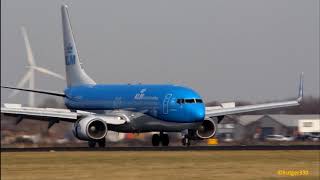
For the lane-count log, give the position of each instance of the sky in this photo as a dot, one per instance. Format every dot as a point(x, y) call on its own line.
point(226, 50)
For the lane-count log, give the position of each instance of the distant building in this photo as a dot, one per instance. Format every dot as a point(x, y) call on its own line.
point(309, 125)
point(257, 127)
point(233, 128)
point(286, 125)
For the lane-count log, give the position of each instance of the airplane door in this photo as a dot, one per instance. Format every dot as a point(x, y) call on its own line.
point(166, 103)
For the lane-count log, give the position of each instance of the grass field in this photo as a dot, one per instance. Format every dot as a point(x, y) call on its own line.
point(158, 165)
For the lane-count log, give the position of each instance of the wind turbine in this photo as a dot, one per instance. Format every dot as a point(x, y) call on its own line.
point(29, 76)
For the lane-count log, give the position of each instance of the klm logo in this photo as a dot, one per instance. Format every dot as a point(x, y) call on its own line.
point(142, 96)
point(70, 59)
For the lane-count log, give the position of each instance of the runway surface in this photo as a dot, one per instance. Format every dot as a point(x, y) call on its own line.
point(170, 148)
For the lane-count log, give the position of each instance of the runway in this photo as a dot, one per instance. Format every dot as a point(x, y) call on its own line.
point(169, 148)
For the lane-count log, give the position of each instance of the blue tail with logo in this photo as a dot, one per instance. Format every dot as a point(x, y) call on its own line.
point(75, 75)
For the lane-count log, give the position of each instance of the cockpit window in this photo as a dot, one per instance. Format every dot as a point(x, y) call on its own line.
point(190, 101)
point(182, 101)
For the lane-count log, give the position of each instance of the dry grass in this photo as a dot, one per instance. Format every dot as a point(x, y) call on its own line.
point(158, 165)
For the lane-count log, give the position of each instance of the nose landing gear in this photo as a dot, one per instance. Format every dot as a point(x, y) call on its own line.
point(187, 135)
point(160, 138)
point(185, 141)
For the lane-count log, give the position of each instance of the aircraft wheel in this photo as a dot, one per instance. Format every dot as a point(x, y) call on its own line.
point(91, 144)
point(165, 139)
point(155, 140)
point(102, 143)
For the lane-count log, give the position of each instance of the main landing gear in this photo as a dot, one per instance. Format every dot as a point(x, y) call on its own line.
point(101, 143)
point(160, 138)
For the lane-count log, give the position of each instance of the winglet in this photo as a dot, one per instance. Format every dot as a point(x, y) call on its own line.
point(300, 96)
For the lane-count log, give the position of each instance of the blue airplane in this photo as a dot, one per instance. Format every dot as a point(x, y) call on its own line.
point(131, 108)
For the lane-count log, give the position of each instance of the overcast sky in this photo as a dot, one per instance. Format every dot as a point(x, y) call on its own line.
point(226, 50)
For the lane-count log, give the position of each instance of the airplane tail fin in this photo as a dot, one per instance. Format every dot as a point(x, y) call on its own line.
point(75, 75)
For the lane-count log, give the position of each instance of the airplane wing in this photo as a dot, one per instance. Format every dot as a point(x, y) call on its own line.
point(222, 110)
point(42, 114)
point(52, 115)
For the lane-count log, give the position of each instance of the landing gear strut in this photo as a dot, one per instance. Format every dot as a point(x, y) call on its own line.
point(160, 138)
point(186, 141)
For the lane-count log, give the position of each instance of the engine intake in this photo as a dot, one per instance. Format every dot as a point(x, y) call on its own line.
point(90, 128)
point(207, 129)
point(97, 129)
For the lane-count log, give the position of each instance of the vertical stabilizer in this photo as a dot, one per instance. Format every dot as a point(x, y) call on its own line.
point(75, 75)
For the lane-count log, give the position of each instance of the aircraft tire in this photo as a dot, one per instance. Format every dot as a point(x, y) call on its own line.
point(155, 140)
point(165, 140)
point(102, 143)
point(91, 144)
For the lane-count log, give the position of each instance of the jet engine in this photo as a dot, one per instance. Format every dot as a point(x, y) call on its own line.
point(207, 129)
point(90, 128)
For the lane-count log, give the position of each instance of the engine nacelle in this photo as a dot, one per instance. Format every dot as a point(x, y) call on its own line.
point(207, 129)
point(90, 128)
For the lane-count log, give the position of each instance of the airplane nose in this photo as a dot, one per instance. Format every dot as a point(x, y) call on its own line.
point(199, 114)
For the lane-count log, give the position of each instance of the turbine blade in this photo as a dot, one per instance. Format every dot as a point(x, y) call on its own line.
point(30, 57)
point(21, 83)
point(48, 72)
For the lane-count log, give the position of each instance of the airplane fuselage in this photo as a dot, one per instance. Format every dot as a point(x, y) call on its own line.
point(164, 102)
